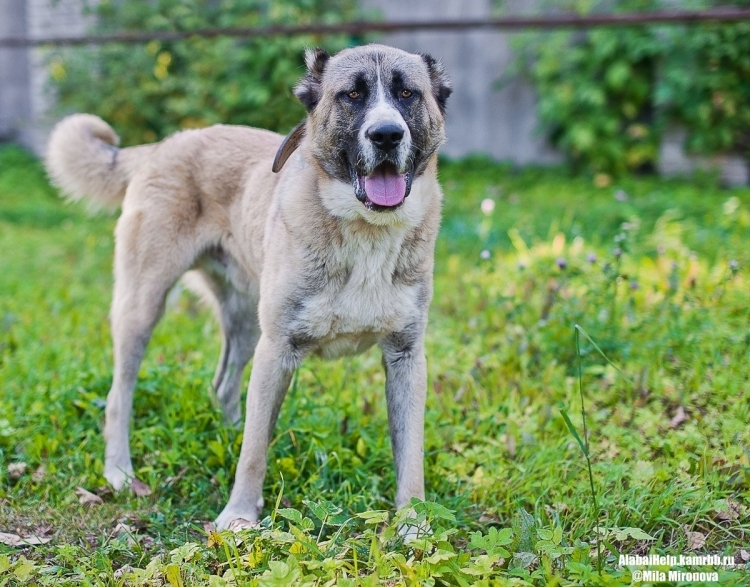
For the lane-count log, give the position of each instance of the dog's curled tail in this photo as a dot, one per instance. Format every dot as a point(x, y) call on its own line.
point(83, 160)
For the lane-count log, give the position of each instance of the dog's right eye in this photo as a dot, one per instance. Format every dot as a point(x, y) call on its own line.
point(354, 95)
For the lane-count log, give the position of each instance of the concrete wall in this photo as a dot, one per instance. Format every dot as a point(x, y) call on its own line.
point(48, 18)
point(24, 96)
point(733, 170)
point(481, 118)
point(15, 110)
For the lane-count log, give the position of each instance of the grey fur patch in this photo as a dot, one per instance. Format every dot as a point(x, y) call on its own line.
point(441, 84)
point(399, 346)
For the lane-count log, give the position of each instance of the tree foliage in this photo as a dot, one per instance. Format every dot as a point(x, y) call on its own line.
point(150, 91)
point(607, 95)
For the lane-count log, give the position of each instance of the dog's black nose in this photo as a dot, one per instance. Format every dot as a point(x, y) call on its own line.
point(385, 137)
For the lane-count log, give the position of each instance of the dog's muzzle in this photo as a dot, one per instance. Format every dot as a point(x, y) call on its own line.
point(383, 187)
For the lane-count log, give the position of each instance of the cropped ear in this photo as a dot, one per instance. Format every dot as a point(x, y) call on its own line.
point(288, 146)
point(441, 84)
point(308, 89)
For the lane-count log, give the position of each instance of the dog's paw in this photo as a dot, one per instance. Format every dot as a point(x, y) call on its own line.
point(236, 519)
point(411, 528)
point(235, 522)
point(118, 477)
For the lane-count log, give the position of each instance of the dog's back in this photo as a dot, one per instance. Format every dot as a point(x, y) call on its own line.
point(84, 161)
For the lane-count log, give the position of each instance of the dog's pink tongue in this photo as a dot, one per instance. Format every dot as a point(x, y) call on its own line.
point(385, 188)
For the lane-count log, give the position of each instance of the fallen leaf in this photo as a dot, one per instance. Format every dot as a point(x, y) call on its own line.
point(209, 527)
point(87, 498)
point(696, 540)
point(10, 539)
point(122, 571)
point(140, 488)
point(510, 444)
point(241, 524)
point(133, 521)
point(172, 480)
point(745, 555)
point(679, 417)
point(489, 518)
point(39, 475)
point(127, 530)
point(732, 512)
point(16, 540)
point(173, 575)
point(122, 528)
point(214, 539)
point(15, 470)
point(146, 541)
point(602, 180)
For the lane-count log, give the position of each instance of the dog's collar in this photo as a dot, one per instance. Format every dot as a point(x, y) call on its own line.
point(288, 146)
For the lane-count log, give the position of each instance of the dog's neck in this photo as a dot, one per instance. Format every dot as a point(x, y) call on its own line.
point(330, 223)
point(339, 201)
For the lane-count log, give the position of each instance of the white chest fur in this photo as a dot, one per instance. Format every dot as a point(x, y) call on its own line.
point(348, 316)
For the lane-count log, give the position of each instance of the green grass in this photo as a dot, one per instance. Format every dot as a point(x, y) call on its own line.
point(669, 435)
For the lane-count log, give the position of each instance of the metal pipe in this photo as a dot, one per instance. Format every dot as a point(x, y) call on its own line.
point(501, 23)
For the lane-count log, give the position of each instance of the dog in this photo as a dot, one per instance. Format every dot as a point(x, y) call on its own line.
point(321, 242)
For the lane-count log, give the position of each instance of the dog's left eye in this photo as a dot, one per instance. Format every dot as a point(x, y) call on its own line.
point(405, 94)
point(354, 95)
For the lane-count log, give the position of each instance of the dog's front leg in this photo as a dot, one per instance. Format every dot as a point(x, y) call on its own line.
point(273, 367)
point(406, 390)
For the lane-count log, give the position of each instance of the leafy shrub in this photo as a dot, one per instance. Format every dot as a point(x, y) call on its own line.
point(705, 85)
point(152, 90)
point(606, 95)
point(596, 98)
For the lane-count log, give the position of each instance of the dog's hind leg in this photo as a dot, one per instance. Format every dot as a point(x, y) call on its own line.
point(148, 262)
point(239, 324)
point(237, 312)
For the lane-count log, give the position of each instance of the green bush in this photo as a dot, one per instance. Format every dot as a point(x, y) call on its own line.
point(705, 85)
point(152, 90)
point(607, 95)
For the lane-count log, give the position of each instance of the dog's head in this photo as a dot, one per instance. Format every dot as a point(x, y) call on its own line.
point(376, 117)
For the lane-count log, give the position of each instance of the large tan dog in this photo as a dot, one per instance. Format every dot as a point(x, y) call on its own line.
point(329, 255)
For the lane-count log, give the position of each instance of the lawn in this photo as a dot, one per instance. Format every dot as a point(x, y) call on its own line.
point(655, 274)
